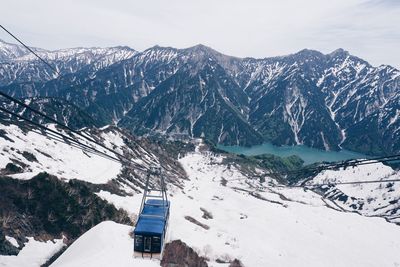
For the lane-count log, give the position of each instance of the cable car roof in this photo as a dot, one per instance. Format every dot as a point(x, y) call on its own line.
point(150, 225)
point(153, 217)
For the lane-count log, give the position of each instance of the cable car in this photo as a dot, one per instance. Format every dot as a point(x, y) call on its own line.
point(151, 226)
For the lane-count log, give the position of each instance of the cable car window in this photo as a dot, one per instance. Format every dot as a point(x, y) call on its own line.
point(138, 240)
point(147, 243)
point(156, 240)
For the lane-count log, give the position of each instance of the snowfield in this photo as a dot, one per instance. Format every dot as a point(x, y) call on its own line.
point(263, 233)
point(34, 253)
point(274, 227)
point(106, 244)
point(54, 157)
point(371, 199)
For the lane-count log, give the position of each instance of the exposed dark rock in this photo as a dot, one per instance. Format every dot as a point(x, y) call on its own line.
point(178, 254)
point(206, 214)
point(29, 156)
point(236, 263)
point(11, 168)
point(3, 134)
point(19, 163)
point(193, 220)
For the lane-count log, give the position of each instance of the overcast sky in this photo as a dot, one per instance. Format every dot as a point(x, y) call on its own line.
point(369, 29)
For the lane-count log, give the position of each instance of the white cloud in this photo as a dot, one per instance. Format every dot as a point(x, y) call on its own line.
point(258, 28)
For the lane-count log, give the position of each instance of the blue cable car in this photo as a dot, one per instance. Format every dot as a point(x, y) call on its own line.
point(152, 223)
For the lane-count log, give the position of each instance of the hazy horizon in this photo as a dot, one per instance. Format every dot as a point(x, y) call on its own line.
point(369, 29)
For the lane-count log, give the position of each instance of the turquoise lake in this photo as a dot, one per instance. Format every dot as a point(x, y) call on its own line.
point(308, 154)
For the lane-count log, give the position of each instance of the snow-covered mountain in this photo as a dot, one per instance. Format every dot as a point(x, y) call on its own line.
point(327, 101)
point(19, 65)
point(10, 51)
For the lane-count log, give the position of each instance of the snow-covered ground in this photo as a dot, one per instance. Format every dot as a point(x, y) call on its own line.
point(369, 199)
point(272, 227)
point(259, 224)
point(54, 157)
point(106, 244)
point(34, 253)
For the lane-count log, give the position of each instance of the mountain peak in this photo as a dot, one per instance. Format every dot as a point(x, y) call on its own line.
point(339, 51)
point(308, 52)
point(9, 51)
point(200, 48)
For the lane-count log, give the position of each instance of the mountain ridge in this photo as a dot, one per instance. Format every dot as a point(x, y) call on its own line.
point(319, 100)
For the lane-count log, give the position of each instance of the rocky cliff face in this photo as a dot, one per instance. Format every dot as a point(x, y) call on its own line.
point(327, 101)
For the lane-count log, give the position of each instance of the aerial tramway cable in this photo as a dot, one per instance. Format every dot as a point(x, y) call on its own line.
point(18, 102)
point(54, 137)
point(72, 140)
point(120, 157)
point(347, 183)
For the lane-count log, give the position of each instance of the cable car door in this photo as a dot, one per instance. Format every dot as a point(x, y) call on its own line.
point(147, 243)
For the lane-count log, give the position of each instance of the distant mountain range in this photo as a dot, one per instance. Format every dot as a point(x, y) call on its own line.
point(327, 101)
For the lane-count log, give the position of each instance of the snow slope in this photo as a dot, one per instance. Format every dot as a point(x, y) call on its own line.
point(34, 152)
point(54, 157)
point(273, 226)
point(34, 253)
point(106, 244)
point(374, 199)
point(270, 234)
